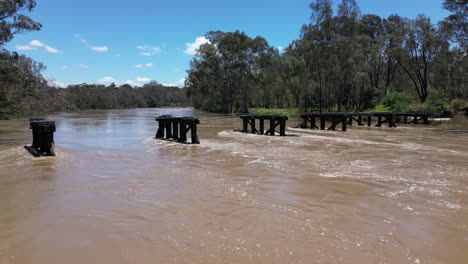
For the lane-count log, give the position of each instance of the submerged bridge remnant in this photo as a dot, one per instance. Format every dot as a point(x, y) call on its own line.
point(346, 119)
point(415, 118)
point(176, 128)
point(274, 121)
point(43, 136)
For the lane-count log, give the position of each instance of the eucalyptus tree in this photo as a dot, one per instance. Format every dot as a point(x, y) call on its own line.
point(458, 21)
point(223, 74)
point(20, 76)
point(13, 22)
point(421, 46)
point(373, 41)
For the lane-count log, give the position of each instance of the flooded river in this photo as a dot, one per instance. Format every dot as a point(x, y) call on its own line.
point(114, 194)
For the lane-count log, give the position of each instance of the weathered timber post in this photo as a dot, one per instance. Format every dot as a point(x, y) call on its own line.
point(359, 118)
point(425, 119)
point(369, 120)
point(405, 119)
point(168, 128)
point(415, 119)
point(391, 120)
point(175, 128)
point(183, 131)
point(43, 136)
point(282, 120)
point(350, 119)
point(245, 124)
point(262, 130)
point(322, 122)
point(272, 127)
point(379, 121)
point(344, 122)
point(162, 124)
point(312, 122)
point(35, 141)
point(161, 128)
point(193, 127)
point(252, 125)
point(333, 127)
point(304, 121)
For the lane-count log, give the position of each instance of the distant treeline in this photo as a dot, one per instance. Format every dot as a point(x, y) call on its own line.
point(24, 92)
point(341, 61)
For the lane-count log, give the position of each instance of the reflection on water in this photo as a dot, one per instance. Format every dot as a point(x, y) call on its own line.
point(113, 194)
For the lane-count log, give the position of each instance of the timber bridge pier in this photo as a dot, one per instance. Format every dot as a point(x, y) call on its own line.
point(315, 120)
point(176, 128)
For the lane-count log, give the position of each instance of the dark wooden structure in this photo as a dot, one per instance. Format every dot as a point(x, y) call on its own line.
point(43, 136)
point(176, 128)
point(335, 118)
point(273, 120)
point(318, 120)
point(412, 118)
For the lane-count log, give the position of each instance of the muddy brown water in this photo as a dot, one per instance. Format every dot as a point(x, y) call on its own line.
point(114, 194)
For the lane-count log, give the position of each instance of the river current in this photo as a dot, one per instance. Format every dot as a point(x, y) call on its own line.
point(114, 194)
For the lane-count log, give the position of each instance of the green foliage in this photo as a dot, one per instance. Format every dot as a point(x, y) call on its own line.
point(457, 105)
point(435, 103)
point(227, 70)
point(288, 112)
point(92, 96)
point(12, 22)
point(397, 101)
point(369, 97)
point(379, 108)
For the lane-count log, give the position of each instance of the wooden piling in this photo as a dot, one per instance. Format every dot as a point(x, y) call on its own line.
point(275, 121)
point(176, 128)
point(43, 136)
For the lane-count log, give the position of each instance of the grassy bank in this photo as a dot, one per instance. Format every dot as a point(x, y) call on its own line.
point(273, 111)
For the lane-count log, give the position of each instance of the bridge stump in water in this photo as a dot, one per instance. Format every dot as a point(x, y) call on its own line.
point(275, 121)
point(176, 128)
point(416, 117)
point(43, 136)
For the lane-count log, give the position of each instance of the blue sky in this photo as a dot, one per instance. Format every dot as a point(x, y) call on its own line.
point(141, 40)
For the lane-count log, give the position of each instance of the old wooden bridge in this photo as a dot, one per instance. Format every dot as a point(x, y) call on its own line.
point(315, 120)
point(176, 128)
point(273, 120)
point(43, 136)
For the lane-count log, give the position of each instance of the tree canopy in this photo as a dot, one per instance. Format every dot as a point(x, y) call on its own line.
point(342, 60)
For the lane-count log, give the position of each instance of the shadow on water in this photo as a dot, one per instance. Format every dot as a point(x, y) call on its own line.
point(32, 151)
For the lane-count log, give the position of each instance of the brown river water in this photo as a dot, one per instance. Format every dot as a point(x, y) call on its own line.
point(114, 194)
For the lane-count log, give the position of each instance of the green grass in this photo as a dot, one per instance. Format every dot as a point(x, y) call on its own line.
point(288, 112)
point(379, 108)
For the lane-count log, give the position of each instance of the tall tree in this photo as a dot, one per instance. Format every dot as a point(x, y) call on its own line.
point(421, 47)
point(13, 22)
point(458, 21)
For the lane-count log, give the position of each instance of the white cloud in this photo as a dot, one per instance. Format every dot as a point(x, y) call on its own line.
point(139, 81)
point(84, 66)
point(191, 48)
point(280, 48)
point(35, 44)
point(25, 47)
point(107, 80)
point(180, 83)
point(148, 50)
point(65, 68)
point(104, 48)
point(99, 48)
point(54, 83)
point(144, 66)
